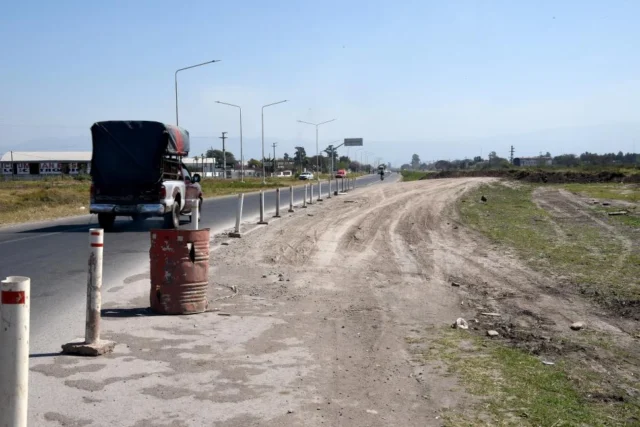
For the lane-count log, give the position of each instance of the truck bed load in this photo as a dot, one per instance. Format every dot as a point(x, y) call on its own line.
point(130, 153)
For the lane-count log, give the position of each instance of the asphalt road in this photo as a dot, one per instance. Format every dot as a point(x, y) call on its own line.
point(54, 255)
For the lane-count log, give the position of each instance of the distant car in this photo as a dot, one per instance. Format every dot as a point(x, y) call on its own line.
point(341, 173)
point(305, 176)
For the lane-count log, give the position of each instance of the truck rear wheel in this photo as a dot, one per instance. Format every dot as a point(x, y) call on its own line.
point(172, 218)
point(106, 221)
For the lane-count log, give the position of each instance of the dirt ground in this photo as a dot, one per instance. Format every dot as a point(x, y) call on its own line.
point(332, 305)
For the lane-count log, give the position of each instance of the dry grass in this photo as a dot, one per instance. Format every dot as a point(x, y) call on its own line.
point(24, 201)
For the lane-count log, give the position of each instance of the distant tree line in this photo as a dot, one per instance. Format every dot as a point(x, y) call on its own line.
point(299, 162)
point(494, 161)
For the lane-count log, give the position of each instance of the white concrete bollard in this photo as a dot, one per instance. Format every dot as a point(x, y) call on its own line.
point(291, 198)
point(262, 220)
point(92, 345)
point(304, 199)
point(14, 351)
point(195, 215)
point(311, 194)
point(319, 191)
point(277, 215)
point(236, 231)
point(329, 195)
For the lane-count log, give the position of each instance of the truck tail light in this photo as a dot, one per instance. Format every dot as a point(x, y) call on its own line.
point(163, 192)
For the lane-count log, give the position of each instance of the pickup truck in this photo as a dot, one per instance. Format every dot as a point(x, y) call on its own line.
point(137, 172)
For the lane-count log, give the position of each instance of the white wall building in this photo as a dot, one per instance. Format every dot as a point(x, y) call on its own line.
point(44, 163)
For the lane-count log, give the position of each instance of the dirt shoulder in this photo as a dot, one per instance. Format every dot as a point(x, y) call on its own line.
point(342, 316)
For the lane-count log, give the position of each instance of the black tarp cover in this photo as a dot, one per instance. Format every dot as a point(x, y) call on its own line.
point(130, 152)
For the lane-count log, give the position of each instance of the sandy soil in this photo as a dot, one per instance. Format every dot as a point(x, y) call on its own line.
point(317, 331)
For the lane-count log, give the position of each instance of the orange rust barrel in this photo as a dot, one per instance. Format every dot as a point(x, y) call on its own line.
point(179, 271)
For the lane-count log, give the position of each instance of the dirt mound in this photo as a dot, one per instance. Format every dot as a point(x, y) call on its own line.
point(541, 176)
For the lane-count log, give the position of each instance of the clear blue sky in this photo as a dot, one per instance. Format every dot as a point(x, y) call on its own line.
point(444, 79)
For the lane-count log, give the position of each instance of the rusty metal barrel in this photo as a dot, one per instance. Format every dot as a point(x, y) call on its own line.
point(179, 271)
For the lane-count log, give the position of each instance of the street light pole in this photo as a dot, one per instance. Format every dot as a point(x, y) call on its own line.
point(274, 156)
point(241, 152)
point(264, 176)
point(360, 163)
point(175, 76)
point(317, 152)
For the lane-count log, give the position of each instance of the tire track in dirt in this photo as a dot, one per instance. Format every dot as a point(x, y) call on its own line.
point(563, 205)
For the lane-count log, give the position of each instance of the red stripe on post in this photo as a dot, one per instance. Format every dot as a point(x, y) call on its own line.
point(97, 245)
point(95, 233)
point(13, 297)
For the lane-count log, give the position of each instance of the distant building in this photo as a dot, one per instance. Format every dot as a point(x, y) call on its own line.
point(533, 161)
point(25, 164)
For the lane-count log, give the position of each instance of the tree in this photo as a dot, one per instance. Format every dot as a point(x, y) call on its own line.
point(254, 164)
point(286, 157)
point(566, 160)
point(330, 150)
point(443, 165)
point(300, 157)
point(217, 155)
point(344, 159)
point(477, 159)
point(405, 166)
point(415, 161)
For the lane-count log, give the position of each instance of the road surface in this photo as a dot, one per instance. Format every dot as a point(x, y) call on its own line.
point(54, 255)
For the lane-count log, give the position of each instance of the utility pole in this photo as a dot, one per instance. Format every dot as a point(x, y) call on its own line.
point(511, 158)
point(224, 155)
point(13, 168)
point(213, 163)
point(274, 157)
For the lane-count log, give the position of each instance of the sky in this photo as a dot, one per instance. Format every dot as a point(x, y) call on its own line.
point(443, 79)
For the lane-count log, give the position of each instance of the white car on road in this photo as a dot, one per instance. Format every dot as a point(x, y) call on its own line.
point(305, 176)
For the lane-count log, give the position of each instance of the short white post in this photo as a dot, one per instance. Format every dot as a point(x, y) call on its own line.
point(277, 215)
point(329, 195)
point(304, 199)
point(92, 345)
point(195, 215)
point(311, 194)
point(236, 231)
point(291, 198)
point(262, 221)
point(14, 351)
point(319, 191)
point(94, 286)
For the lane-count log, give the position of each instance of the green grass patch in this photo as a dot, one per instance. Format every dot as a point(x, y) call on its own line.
point(412, 175)
point(610, 191)
point(598, 263)
point(516, 388)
